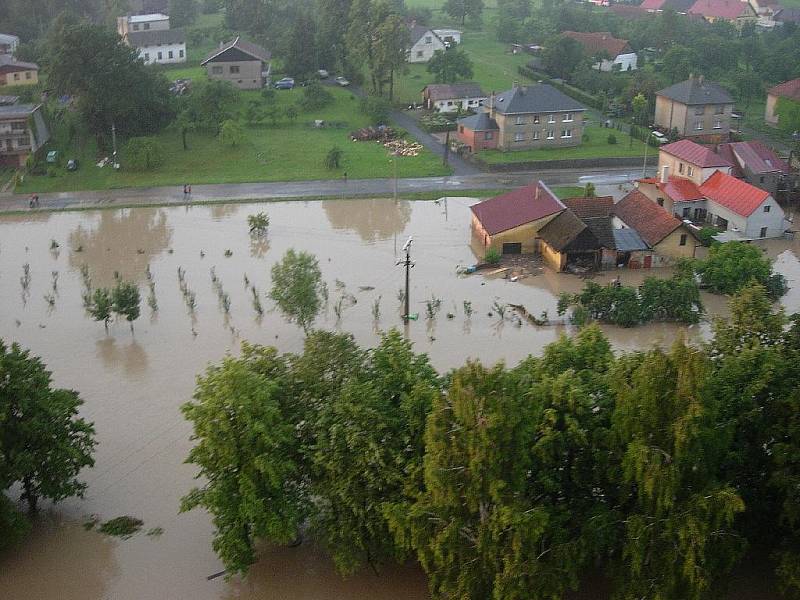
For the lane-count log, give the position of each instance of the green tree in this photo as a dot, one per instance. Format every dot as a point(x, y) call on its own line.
point(788, 112)
point(315, 97)
point(142, 154)
point(391, 49)
point(678, 530)
point(331, 33)
point(101, 306)
point(297, 287)
point(749, 85)
point(182, 12)
point(333, 158)
point(43, 443)
point(447, 66)
point(679, 62)
point(461, 9)
point(562, 56)
point(376, 108)
point(640, 107)
point(231, 133)
point(244, 451)
point(126, 301)
point(301, 54)
point(291, 113)
point(733, 265)
point(253, 113)
point(210, 104)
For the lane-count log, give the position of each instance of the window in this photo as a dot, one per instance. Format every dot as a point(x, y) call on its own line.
point(28, 76)
point(660, 201)
point(518, 137)
point(689, 171)
point(146, 57)
point(234, 68)
point(520, 120)
point(419, 54)
point(136, 27)
point(761, 179)
point(428, 39)
point(684, 237)
point(698, 126)
point(566, 133)
point(16, 76)
point(685, 214)
point(146, 26)
point(169, 54)
point(488, 135)
point(160, 56)
point(535, 119)
point(567, 118)
point(551, 134)
point(680, 167)
point(763, 232)
point(719, 110)
point(700, 110)
point(180, 53)
point(722, 223)
point(717, 124)
point(766, 207)
point(216, 70)
point(449, 103)
point(551, 118)
point(535, 135)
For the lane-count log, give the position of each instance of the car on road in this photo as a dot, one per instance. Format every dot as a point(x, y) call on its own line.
point(323, 74)
point(287, 83)
point(342, 81)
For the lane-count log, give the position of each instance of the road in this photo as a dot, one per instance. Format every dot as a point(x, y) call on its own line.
point(449, 185)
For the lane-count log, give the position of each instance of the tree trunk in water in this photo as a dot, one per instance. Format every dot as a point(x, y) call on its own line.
point(29, 494)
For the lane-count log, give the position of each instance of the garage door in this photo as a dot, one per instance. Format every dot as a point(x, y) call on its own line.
point(512, 248)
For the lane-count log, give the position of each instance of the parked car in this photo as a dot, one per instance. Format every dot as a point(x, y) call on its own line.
point(660, 137)
point(72, 164)
point(323, 74)
point(342, 81)
point(287, 83)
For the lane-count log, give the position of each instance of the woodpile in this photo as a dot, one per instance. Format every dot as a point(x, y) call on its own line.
point(368, 134)
point(403, 147)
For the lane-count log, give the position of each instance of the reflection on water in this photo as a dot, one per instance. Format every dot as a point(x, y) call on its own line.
point(134, 384)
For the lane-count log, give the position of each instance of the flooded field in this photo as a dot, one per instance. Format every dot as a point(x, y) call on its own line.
point(134, 384)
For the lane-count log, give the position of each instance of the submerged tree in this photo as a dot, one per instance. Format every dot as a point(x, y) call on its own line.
point(126, 301)
point(100, 306)
point(297, 287)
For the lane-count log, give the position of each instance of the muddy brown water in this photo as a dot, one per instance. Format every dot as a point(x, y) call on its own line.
point(133, 385)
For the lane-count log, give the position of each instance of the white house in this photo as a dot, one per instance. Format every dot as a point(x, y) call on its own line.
point(135, 23)
point(163, 47)
point(8, 43)
point(617, 55)
point(424, 42)
point(449, 97)
point(449, 36)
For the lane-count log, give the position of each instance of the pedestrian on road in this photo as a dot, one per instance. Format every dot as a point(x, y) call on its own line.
point(185, 190)
point(345, 176)
point(189, 189)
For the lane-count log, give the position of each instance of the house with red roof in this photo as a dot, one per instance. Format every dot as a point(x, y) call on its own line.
point(690, 160)
point(789, 91)
point(678, 6)
point(611, 54)
point(668, 237)
point(733, 11)
point(510, 222)
point(760, 166)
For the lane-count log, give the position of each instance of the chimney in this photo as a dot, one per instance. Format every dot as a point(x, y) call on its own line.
point(665, 174)
point(491, 105)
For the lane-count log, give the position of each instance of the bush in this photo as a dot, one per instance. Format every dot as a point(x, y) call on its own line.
point(706, 235)
point(612, 139)
point(315, 97)
point(492, 256)
point(733, 265)
point(142, 154)
point(333, 159)
point(231, 133)
point(436, 123)
point(376, 109)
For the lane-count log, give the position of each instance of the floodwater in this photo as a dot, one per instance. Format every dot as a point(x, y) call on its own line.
point(134, 384)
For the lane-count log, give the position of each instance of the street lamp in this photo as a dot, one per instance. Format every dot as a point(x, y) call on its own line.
point(646, 146)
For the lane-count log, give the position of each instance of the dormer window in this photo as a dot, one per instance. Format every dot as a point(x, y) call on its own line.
point(428, 39)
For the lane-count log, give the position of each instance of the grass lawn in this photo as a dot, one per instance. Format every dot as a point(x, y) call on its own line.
point(596, 146)
point(494, 67)
point(286, 152)
point(569, 191)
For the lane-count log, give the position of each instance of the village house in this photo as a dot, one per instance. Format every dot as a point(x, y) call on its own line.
point(135, 23)
point(22, 132)
point(450, 97)
point(732, 11)
point(478, 132)
point(509, 223)
point(242, 64)
point(17, 72)
point(760, 166)
point(161, 46)
point(450, 37)
point(536, 116)
point(689, 160)
point(8, 43)
point(669, 238)
point(789, 91)
point(424, 42)
point(612, 54)
point(696, 108)
point(678, 6)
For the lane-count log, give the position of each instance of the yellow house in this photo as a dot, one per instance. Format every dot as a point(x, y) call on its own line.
point(509, 223)
point(15, 72)
point(668, 237)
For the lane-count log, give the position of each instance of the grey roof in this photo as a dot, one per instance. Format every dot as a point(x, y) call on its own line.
point(697, 90)
point(17, 111)
point(6, 60)
point(567, 233)
point(603, 230)
point(156, 37)
point(628, 240)
point(8, 38)
point(479, 122)
point(254, 50)
point(8, 100)
point(539, 98)
point(418, 31)
point(447, 91)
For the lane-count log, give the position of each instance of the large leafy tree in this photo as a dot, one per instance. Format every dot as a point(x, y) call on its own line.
point(302, 57)
point(111, 85)
point(733, 265)
point(43, 443)
point(182, 12)
point(450, 65)
point(461, 9)
point(562, 56)
point(391, 47)
point(297, 287)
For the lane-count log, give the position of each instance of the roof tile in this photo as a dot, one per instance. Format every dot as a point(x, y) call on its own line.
point(517, 207)
point(734, 194)
point(650, 221)
point(696, 90)
point(695, 154)
point(599, 41)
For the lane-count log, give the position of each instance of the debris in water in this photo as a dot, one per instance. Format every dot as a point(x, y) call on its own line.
point(123, 527)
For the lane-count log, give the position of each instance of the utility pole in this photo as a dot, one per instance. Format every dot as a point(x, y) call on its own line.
point(446, 148)
point(114, 144)
point(408, 264)
point(646, 144)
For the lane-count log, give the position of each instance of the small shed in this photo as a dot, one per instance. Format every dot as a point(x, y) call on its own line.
point(566, 240)
point(631, 248)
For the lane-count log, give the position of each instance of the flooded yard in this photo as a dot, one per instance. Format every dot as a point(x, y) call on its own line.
point(134, 384)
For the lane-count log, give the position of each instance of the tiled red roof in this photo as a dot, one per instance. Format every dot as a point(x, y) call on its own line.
point(628, 10)
point(650, 221)
point(721, 9)
point(681, 190)
point(590, 208)
point(754, 155)
point(734, 194)
point(726, 152)
point(517, 207)
point(652, 4)
point(695, 154)
point(600, 41)
point(788, 89)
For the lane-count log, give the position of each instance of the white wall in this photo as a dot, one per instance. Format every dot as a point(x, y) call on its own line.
point(774, 220)
point(423, 50)
point(453, 103)
point(152, 54)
